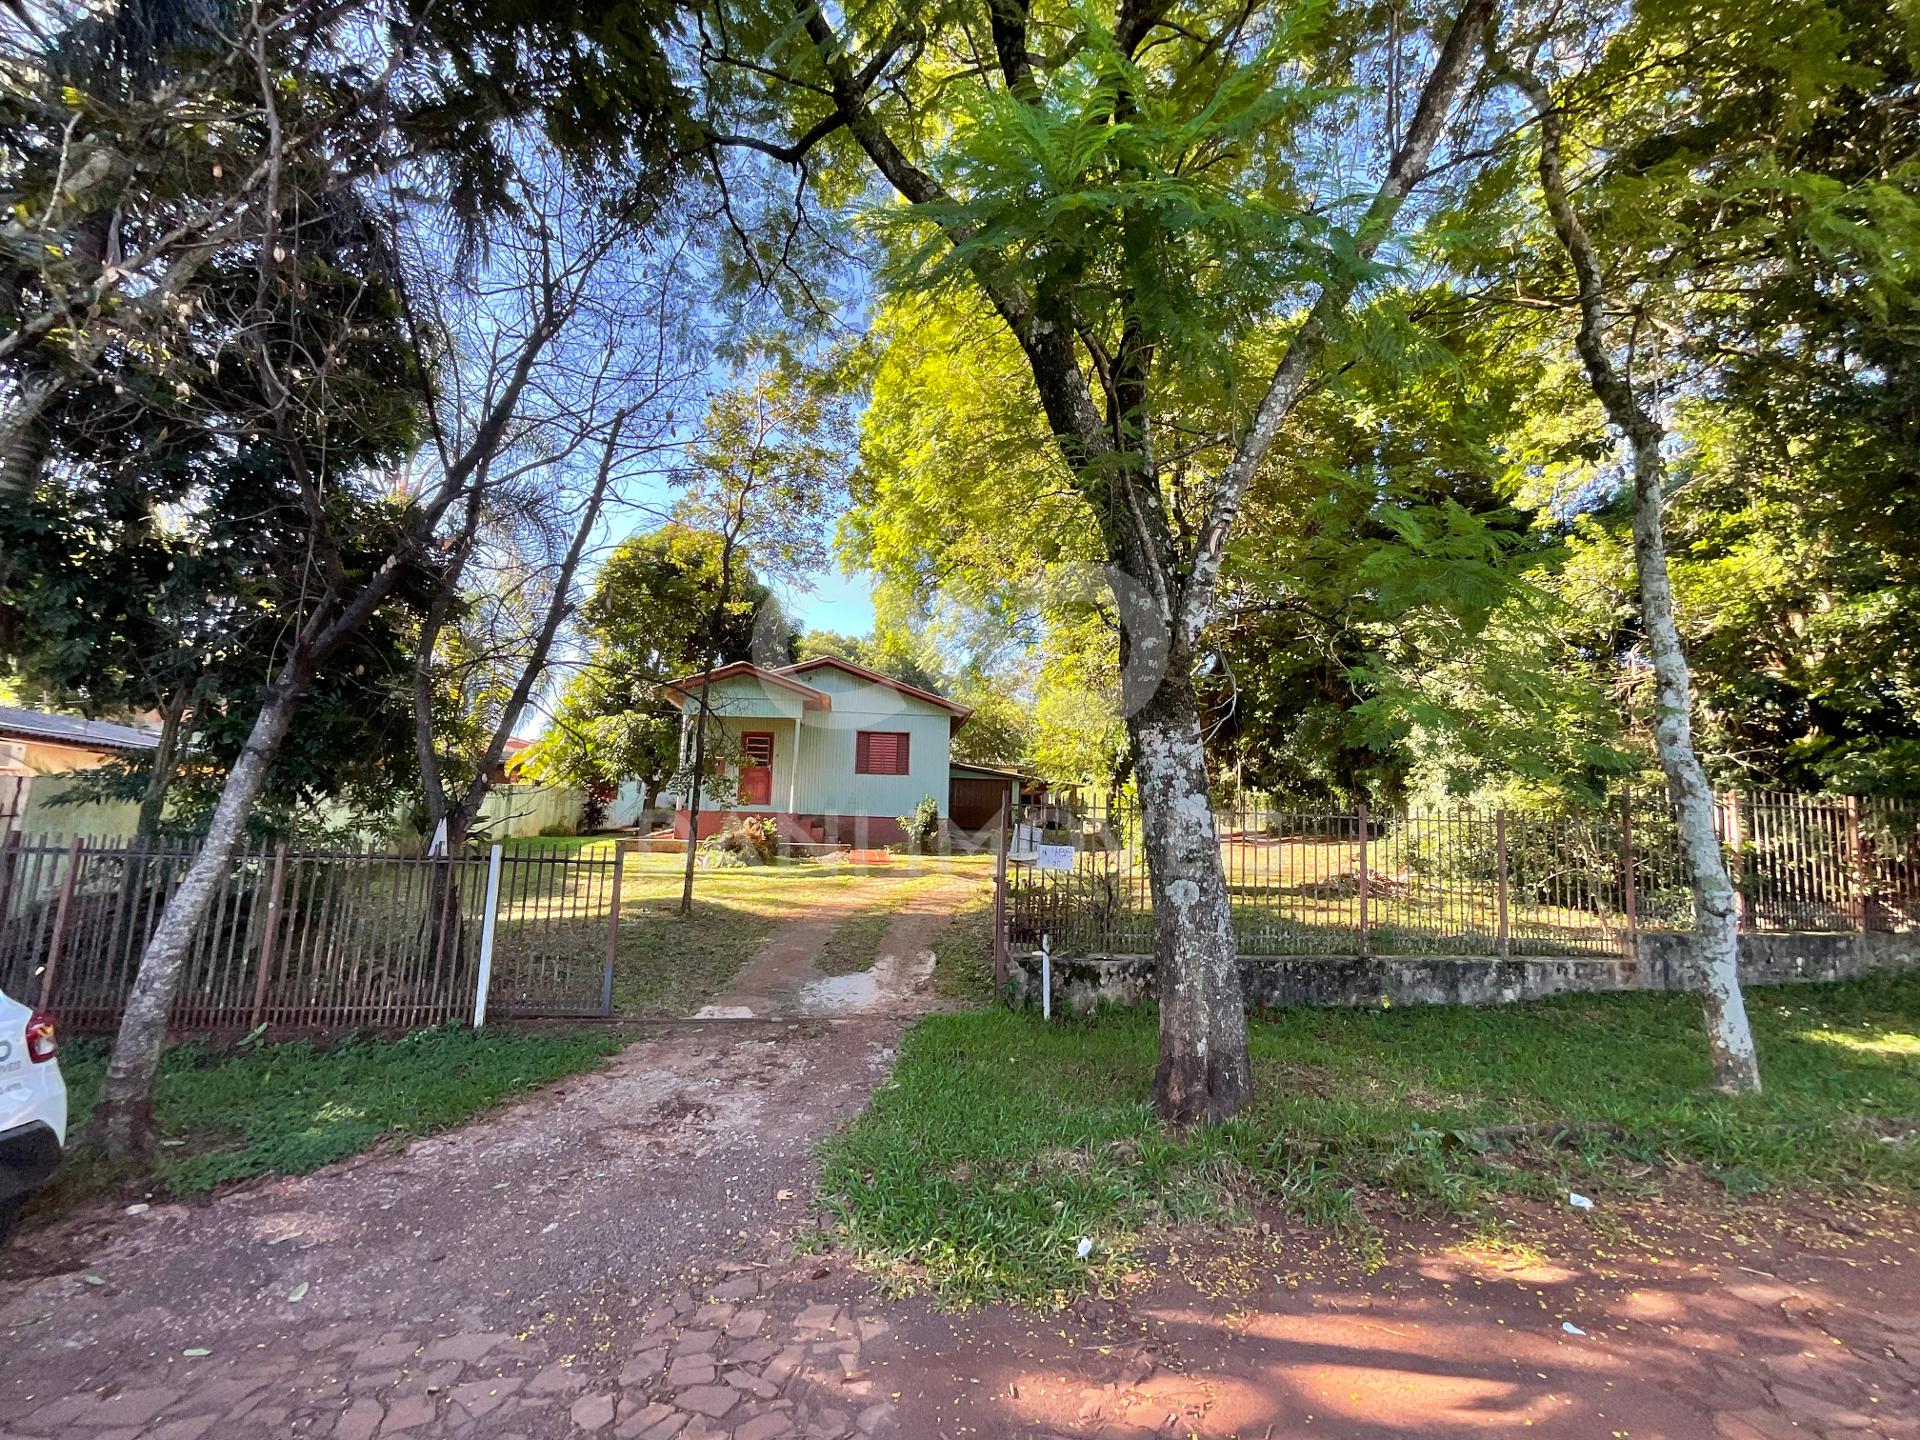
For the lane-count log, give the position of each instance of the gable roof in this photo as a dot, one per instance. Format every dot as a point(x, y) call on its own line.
point(67, 730)
point(687, 684)
point(953, 707)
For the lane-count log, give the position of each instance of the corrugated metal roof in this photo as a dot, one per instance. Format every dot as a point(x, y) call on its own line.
point(68, 730)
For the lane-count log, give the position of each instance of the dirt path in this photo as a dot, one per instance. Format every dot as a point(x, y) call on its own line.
point(782, 981)
point(636, 1278)
point(615, 1256)
point(371, 1297)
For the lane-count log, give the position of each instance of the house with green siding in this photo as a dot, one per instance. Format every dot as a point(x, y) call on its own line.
point(831, 750)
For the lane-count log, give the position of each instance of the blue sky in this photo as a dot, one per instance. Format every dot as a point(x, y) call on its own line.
point(836, 602)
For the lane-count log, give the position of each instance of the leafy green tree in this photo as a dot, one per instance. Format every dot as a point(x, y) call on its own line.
point(649, 604)
point(1789, 164)
point(266, 195)
point(1134, 208)
point(771, 458)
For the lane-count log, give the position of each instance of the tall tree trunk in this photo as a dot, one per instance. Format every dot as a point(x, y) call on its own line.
point(123, 1120)
point(697, 779)
point(1204, 1074)
point(1716, 914)
point(1715, 957)
point(166, 762)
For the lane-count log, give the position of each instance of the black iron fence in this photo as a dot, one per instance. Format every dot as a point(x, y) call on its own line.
point(312, 939)
point(1472, 881)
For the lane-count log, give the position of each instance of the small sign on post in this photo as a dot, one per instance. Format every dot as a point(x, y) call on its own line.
point(1002, 837)
point(486, 939)
point(1056, 857)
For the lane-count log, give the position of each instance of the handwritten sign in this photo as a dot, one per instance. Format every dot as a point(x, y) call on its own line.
point(1056, 857)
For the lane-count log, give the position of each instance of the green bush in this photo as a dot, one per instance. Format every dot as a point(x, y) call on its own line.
point(922, 824)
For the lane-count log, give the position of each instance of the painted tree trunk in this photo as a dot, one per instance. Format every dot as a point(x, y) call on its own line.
point(1716, 915)
point(697, 779)
point(123, 1120)
point(1715, 958)
point(1203, 1074)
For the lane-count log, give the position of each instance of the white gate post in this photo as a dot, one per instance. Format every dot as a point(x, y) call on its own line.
point(1046, 977)
point(486, 939)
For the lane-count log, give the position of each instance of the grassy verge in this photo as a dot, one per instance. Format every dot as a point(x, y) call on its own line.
point(289, 1108)
point(963, 952)
point(1001, 1142)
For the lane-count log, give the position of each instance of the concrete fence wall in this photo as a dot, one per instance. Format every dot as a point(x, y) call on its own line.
point(1276, 982)
point(514, 812)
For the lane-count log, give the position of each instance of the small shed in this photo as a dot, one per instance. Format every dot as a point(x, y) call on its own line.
point(975, 793)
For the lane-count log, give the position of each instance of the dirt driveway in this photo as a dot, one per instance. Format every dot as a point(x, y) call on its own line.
point(615, 1256)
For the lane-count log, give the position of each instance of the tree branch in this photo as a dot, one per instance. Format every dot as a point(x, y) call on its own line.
point(1404, 171)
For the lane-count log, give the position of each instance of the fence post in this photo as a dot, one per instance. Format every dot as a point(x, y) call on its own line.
point(9, 863)
point(1737, 843)
point(1500, 840)
point(1000, 905)
point(270, 935)
point(1366, 930)
point(1857, 863)
point(1629, 881)
point(61, 913)
point(620, 850)
point(486, 939)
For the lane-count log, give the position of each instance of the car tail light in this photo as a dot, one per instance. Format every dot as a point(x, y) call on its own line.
point(42, 1043)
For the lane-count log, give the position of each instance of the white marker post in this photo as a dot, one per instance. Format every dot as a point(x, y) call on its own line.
point(486, 939)
point(1046, 977)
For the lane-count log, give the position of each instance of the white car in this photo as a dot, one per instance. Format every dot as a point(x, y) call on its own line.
point(33, 1106)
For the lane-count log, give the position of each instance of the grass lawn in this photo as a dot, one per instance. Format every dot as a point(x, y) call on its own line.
point(1002, 1142)
point(667, 965)
point(289, 1108)
point(963, 952)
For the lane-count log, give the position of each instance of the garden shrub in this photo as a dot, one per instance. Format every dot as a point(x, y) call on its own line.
point(922, 824)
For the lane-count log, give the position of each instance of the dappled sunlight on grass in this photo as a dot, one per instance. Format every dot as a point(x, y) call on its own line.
point(669, 964)
point(1001, 1137)
point(1892, 1042)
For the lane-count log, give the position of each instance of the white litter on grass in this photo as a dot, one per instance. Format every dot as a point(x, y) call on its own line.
point(1571, 1328)
point(1084, 1249)
point(1578, 1201)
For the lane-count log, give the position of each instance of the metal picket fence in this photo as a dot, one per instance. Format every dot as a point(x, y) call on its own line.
point(1472, 881)
point(317, 939)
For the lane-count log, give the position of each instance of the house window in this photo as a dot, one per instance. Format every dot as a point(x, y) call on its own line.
point(880, 752)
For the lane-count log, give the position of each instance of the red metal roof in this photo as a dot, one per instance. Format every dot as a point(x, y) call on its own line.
point(815, 699)
point(959, 711)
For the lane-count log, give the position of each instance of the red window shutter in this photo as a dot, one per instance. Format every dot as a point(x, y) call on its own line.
point(880, 752)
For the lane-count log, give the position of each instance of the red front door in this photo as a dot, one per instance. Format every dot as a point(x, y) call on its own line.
point(756, 769)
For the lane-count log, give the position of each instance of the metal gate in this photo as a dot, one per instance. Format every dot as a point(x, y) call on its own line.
point(556, 932)
point(314, 939)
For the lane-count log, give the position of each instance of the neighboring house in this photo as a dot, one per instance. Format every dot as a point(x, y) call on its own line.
point(33, 743)
point(831, 750)
point(37, 749)
point(507, 772)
